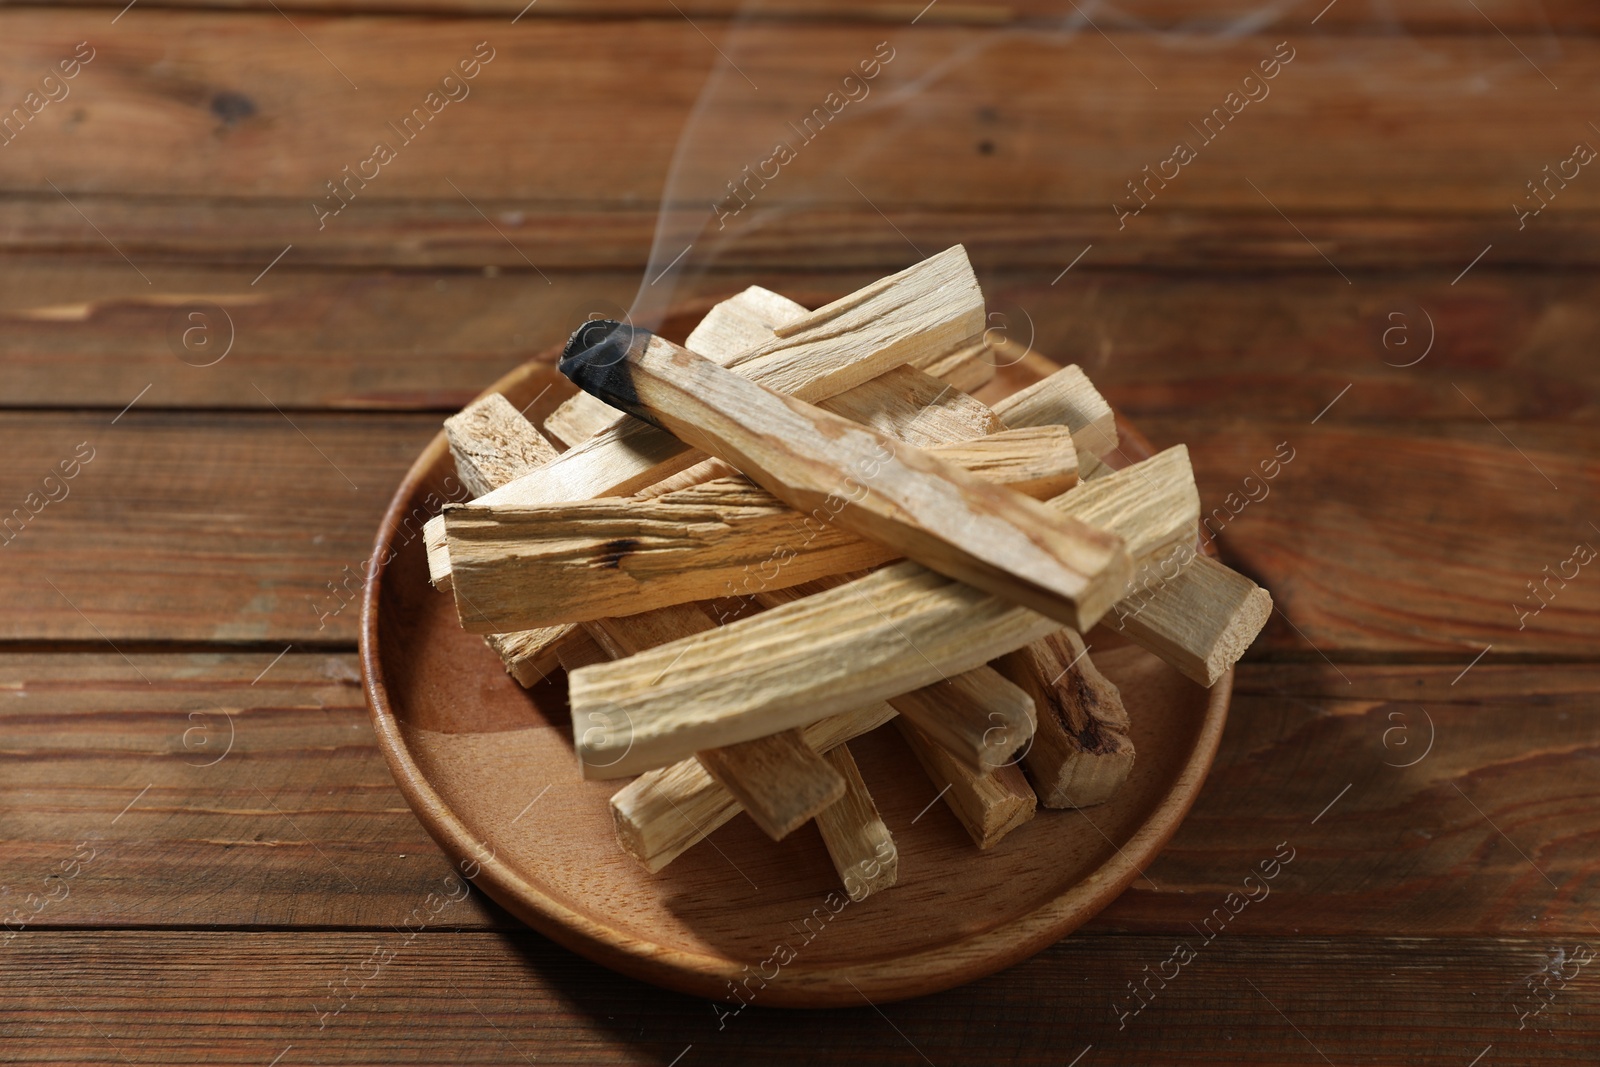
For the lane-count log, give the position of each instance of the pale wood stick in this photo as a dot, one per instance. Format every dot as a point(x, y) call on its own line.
point(779, 780)
point(1065, 398)
point(738, 323)
point(902, 402)
point(521, 567)
point(979, 717)
point(531, 655)
point(581, 650)
point(933, 306)
point(1192, 611)
point(1081, 751)
point(913, 406)
point(492, 444)
point(989, 805)
point(873, 638)
point(1201, 621)
point(953, 522)
point(858, 841)
point(968, 368)
point(661, 814)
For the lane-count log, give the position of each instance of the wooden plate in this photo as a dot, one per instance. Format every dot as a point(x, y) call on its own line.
point(489, 769)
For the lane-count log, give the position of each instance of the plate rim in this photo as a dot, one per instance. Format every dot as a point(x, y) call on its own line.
point(924, 972)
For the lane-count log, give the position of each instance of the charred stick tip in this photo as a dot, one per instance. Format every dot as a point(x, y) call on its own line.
point(596, 361)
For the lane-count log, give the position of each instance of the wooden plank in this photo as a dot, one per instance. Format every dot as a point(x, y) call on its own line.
point(216, 526)
point(1426, 541)
point(86, 733)
point(84, 334)
point(1168, 16)
point(273, 142)
point(248, 996)
point(534, 566)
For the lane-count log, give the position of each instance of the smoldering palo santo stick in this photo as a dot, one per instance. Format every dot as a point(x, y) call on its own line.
point(952, 522)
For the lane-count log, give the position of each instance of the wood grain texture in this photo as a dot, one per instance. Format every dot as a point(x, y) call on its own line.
point(489, 997)
point(1081, 750)
point(517, 566)
point(989, 805)
point(853, 831)
point(85, 733)
point(1437, 16)
point(779, 780)
point(889, 632)
point(1386, 152)
point(903, 497)
point(1210, 344)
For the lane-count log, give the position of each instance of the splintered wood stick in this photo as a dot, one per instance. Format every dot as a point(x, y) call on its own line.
point(945, 518)
point(897, 629)
point(519, 567)
point(855, 835)
point(930, 307)
point(1065, 398)
point(1081, 750)
point(493, 444)
point(989, 805)
point(779, 780)
point(738, 323)
point(662, 814)
point(1192, 611)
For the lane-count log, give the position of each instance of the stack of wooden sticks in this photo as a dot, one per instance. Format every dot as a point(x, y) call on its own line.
point(800, 526)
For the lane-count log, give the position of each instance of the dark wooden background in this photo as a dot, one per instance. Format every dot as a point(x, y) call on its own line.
point(198, 837)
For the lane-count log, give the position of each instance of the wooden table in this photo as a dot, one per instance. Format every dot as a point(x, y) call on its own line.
point(202, 852)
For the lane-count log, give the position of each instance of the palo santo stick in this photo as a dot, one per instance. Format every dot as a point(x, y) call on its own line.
point(873, 638)
point(951, 521)
point(493, 444)
point(977, 716)
point(1200, 621)
point(779, 780)
point(1065, 398)
point(855, 835)
point(968, 368)
point(739, 323)
point(1081, 749)
point(520, 567)
point(988, 805)
point(912, 406)
point(1192, 611)
point(904, 403)
point(933, 306)
point(660, 815)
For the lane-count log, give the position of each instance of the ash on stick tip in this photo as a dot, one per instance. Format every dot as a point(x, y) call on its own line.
point(596, 360)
